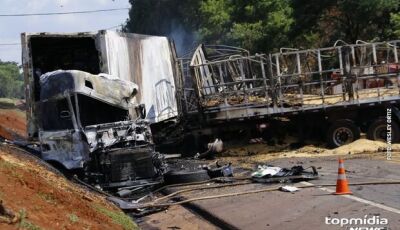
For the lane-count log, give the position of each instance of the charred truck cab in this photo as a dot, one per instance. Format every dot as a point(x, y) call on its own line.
point(91, 98)
point(85, 125)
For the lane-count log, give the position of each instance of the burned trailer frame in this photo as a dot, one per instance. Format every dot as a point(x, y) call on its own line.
point(345, 88)
point(191, 131)
point(85, 126)
point(295, 81)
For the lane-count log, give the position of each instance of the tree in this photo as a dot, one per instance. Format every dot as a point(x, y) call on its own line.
point(326, 21)
point(11, 80)
point(266, 25)
point(308, 29)
point(257, 25)
point(395, 20)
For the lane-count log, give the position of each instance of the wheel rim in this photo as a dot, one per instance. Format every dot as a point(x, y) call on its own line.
point(342, 136)
point(380, 133)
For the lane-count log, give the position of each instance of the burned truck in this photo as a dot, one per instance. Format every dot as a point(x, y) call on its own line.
point(333, 93)
point(85, 125)
point(91, 98)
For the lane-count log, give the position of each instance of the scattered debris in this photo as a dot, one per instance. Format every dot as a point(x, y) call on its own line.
point(214, 147)
point(220, 171)
point(289, 189)
point(217, 146)
point(138, 187)
point(256, 140)
point(265, 170)
point(270, 174)
point(171, 156)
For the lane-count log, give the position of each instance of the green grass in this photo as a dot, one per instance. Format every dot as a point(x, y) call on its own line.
point(118, 217)
point(73, 218)
point(6, 165)
point(7, 102)
point(25, 224)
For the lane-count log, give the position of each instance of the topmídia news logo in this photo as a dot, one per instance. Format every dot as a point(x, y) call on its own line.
point(364, 223)
point(367, 228)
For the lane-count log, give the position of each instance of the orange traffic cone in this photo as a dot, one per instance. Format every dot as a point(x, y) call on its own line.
point(342, 186)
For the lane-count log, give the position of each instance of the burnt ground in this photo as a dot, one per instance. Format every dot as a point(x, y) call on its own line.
point(12, 123)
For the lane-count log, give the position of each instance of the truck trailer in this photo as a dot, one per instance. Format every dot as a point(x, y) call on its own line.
point(332, 93)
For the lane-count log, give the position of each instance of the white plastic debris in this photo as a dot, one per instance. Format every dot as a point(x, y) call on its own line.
point(217, 146)
point(289, 189)
point(264, 170)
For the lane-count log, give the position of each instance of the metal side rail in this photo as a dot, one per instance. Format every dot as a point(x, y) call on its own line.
point(293, 80)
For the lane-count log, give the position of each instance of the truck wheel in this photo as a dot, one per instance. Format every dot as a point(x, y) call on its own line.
point(378, 130)
point(183, 176)
point(342, 132)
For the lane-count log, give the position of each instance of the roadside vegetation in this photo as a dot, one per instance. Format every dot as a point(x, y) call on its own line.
point(24, 223)
point(118, 217)
point(11, 81)
point(266, 25)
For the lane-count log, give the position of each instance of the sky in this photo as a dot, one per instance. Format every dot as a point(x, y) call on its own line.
point(12, 27)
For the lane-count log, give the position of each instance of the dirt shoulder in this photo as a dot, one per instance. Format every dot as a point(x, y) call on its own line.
point(253, 154)
point(12, 119)
point(40, 199)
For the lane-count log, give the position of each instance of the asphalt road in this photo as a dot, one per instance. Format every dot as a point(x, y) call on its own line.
point(310, 207)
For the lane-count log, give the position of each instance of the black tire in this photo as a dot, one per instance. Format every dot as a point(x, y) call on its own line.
point(182, 176)
point(377, 130)
point(342, 132)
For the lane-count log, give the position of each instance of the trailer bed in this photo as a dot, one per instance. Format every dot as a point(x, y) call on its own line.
point(231, 84)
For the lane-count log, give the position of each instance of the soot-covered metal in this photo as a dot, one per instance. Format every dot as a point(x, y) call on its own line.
point(85, 125)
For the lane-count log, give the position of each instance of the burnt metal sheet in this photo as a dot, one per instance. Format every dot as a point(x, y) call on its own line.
point(102, 87)
point(147, 61)
point(65, 147)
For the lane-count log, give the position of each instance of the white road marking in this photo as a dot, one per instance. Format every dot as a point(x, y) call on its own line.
point(361, 200)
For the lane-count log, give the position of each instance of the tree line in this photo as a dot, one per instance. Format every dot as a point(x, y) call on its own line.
point(11, 80)
point(265, 25)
